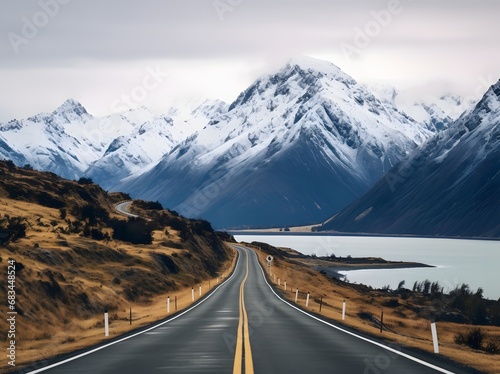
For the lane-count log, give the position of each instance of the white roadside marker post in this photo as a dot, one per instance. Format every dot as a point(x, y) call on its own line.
point(296, 294)
point(285, 284)
point(192, 294)
point(434, 337)
point(200, 289)
point(168, 304)
point(307, 300)
point(343, 310)
point(106, 323)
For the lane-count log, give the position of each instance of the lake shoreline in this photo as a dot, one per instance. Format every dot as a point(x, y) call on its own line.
point(270, 232)
point(336, 270)
point(456, 261)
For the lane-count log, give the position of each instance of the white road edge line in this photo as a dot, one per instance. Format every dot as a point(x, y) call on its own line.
point(422, 362)
point(138, 333)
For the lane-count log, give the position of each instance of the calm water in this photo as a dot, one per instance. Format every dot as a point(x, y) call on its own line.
point(474, 262)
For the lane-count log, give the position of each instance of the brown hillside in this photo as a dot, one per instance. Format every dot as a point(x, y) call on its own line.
point(76, 256)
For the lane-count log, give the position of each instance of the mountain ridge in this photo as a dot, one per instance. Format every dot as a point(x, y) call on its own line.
point(447, 187)
point(342, 131)
point(295, 147)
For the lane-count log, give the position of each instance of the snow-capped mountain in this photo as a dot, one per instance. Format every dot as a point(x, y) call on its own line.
point(145, 144)
point(45, 144)
point(72, 143)
point(133, 152)
point(8, 153)
point(293, 147)
point(448, 187)
point(435, 115)
point(438, 115)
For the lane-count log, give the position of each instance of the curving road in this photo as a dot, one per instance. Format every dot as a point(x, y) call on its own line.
point(245, 327)
point(124, 208)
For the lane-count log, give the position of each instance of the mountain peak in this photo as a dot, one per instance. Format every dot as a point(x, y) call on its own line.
point(303, 75)
point(451, 98)
point(490, 102)
point(71, 106)
point(310, 64)
point(72, 111)
point(496, 88)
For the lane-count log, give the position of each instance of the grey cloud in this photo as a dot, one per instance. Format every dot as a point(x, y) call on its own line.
point(94, 33)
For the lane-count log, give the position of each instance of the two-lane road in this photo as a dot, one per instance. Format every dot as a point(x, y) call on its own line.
point(245, 327)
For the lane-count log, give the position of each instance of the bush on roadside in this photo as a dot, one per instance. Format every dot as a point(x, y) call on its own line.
point(492, 347)
point(473, 338)
point(148, 205)
point(134, 230)
point(14, 227)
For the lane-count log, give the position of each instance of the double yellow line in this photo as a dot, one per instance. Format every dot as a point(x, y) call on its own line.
point(243, 353)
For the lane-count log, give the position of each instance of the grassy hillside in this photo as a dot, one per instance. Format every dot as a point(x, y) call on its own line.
point(76, 257)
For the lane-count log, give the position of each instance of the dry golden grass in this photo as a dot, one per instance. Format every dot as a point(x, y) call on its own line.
point(405, 327)
point(69, 266)
point(43, 343)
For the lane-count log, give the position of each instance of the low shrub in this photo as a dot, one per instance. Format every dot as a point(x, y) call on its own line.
point(473, 338)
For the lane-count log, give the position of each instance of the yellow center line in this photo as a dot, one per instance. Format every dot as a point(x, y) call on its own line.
point(243, 340)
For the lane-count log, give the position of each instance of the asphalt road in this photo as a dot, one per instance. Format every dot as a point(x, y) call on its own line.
point(245, 327)
point(124, 208)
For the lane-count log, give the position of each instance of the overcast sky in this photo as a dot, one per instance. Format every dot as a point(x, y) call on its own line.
point(160, 53)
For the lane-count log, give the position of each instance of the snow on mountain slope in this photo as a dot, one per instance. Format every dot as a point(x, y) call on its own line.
point(142, 147)
point(98, 133)
point(435, 115)
point(72, 143)
point(438, 115)
point(133, 152)
point(45, 144)
point(290, 148)
point(8, 153)
point(448, 187)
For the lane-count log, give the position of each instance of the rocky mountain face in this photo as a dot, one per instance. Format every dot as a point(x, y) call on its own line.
point(43, 142)
point(437, 116)
point(292, 148)
point(447, 187)
point(72, 143)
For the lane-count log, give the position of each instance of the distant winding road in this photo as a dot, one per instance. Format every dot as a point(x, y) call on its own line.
point(245, 327)
point(124, 208)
